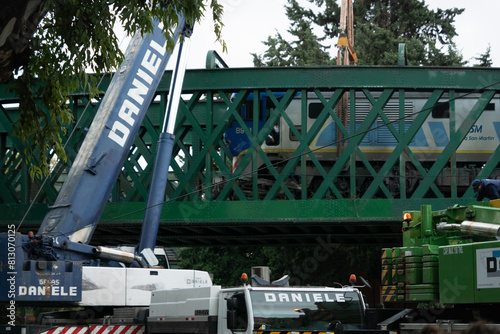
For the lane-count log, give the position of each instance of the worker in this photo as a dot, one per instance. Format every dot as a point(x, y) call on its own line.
point(486, 188)
point(273, 138)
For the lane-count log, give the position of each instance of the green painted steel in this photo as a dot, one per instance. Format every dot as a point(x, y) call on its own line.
point(205, 191)
point(465, 259)
point(448, 256)
point(355, 222)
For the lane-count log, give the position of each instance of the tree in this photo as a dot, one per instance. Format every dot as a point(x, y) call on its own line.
point(56, 42)
point(305, 51)
point(484, 59)
point(321, 264)
point(278, 53)
point(226, 264)
point(379, 27)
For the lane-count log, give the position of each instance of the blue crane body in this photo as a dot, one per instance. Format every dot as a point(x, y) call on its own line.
point(50, 265)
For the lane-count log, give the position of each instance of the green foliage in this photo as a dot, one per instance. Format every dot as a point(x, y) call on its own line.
point(225, 263)
point(379, 27)
point(306, 50)
point(77, 37)
point(277, 54)
point(321, 264)
point(484, 59)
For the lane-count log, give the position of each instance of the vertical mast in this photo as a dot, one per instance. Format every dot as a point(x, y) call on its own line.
point(164, 151)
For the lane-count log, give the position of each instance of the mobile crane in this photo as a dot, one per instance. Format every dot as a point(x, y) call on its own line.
point(448, 271)
point(57, 264)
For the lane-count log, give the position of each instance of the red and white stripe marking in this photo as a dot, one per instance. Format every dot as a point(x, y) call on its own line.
point(104, 329)
point(235, 163)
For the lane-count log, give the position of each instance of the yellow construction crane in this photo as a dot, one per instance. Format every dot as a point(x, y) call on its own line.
point(346, 38)
point(345, 56)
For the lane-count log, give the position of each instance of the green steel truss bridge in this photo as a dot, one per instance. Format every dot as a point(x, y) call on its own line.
point(351, 190)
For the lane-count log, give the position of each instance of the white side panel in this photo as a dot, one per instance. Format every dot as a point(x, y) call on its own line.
point(103, 286)
point(487, 268)
point(132, 286)
point(185, 302)
point(141, 281)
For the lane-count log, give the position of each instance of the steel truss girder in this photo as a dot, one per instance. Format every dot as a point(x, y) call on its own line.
point(360, 222)
point(207, 109)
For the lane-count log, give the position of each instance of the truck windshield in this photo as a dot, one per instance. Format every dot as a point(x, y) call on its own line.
point(306, 310)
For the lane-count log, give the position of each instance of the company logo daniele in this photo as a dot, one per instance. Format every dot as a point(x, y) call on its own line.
point(196, 281)
point(293, 297)
point(71, 291)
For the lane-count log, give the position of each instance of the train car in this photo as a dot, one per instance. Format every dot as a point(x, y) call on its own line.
point(377, 144)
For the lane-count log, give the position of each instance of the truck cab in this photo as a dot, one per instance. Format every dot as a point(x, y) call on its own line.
point(259, 310)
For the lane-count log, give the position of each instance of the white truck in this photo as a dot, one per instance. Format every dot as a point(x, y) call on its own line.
point(248, 310)
point(211, 309)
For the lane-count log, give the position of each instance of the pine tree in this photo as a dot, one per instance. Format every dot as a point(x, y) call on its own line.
point(305, 50)
point(484, 59)
point(379, 27)
point(278, 53)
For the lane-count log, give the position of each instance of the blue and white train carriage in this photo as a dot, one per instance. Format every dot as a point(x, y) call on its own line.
point(378, 143)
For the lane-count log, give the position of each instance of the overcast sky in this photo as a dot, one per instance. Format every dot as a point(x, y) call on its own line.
point(248, 23)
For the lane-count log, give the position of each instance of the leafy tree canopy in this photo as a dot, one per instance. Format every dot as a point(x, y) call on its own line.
point(322, 264)
point(379, 27)
point(57, 42)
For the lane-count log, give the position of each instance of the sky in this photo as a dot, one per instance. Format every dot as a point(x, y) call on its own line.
point(248, 23)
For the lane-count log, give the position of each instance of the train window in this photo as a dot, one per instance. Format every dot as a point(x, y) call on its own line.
point(441, 110)
point(270, 104)
point(315, 109)
point(490, 107)
point(292, 136)
point(247, 111)
point(243, 110)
